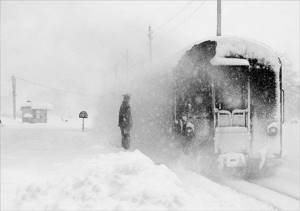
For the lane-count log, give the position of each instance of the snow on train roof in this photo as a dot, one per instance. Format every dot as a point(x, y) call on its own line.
point(229, 61)
point(229, 45)
point(232, 45)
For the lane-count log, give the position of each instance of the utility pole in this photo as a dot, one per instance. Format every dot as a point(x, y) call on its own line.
point(219, 17)
point(127, 60)
point(13, 79)
point(150, 37)
point(126, 57)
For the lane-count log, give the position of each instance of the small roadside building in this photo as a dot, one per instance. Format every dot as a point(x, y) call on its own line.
point(35, 113)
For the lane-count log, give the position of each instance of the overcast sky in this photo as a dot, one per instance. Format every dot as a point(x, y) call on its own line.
point(77, 44)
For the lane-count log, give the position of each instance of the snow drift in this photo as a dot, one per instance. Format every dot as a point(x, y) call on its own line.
point(128, 181)
point(122, 181)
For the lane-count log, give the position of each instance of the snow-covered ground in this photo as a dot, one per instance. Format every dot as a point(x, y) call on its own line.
point(286, 178)
point(52, 167)
point(57, 166)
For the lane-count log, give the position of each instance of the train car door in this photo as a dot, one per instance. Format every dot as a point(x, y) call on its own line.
point(231, 96)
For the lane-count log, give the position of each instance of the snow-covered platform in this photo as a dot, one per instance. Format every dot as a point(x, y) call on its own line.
point(64, 168)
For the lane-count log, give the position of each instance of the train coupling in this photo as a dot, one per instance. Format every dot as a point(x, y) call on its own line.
point(231, 160)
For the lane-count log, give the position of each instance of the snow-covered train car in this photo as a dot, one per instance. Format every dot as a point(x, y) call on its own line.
point(228, 92)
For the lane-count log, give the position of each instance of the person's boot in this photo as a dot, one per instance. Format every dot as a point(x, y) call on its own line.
point(126, 142)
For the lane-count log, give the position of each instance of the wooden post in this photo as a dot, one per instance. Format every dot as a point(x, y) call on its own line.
point(150, 37)
point(219, 21)
point(82, 124)
point(83, 115)
point(13, 79)
point(281, 99)
point(249, 109)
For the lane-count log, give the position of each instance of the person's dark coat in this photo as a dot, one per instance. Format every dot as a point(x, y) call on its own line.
point(125, 118)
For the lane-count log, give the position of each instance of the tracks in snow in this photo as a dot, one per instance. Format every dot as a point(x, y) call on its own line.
point(284, 181)
point(275, 198)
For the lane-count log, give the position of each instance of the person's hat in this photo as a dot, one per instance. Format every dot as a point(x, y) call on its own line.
point(126, 96)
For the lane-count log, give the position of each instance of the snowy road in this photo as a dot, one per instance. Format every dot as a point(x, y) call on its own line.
point(36, 152)
point(284, 181)
point(278, 199)
point(46, 167)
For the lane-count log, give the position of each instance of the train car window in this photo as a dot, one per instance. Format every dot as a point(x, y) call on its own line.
point(263, 80)
point(231, 91)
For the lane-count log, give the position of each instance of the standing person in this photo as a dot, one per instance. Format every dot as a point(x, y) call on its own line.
point(125, 121)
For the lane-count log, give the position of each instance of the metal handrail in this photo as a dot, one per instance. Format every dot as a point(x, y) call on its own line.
point(244, 112)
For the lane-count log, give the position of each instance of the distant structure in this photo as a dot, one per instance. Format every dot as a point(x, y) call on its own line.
point(34, 113)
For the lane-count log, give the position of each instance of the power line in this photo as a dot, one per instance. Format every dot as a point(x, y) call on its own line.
point(174, 16)
point(189, 17)
point(60, 90)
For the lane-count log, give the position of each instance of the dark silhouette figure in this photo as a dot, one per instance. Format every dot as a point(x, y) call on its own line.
point(125, 121)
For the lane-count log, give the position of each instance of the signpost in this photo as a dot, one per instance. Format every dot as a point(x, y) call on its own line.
point(83, 115)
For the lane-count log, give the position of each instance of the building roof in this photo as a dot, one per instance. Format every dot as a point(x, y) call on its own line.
point(46, 106)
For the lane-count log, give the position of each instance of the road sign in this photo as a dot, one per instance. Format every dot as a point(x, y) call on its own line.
point(83, 114)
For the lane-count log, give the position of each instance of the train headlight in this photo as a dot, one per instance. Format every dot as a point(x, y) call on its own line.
point(189, 130)
point(272, 129)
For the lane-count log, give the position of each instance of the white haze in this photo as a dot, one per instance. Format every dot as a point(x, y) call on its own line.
point(77, 51)
point(79, 48)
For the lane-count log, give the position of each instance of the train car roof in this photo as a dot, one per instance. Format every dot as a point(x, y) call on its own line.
point(229, 61)
point(243, 48)
point(246, 48)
